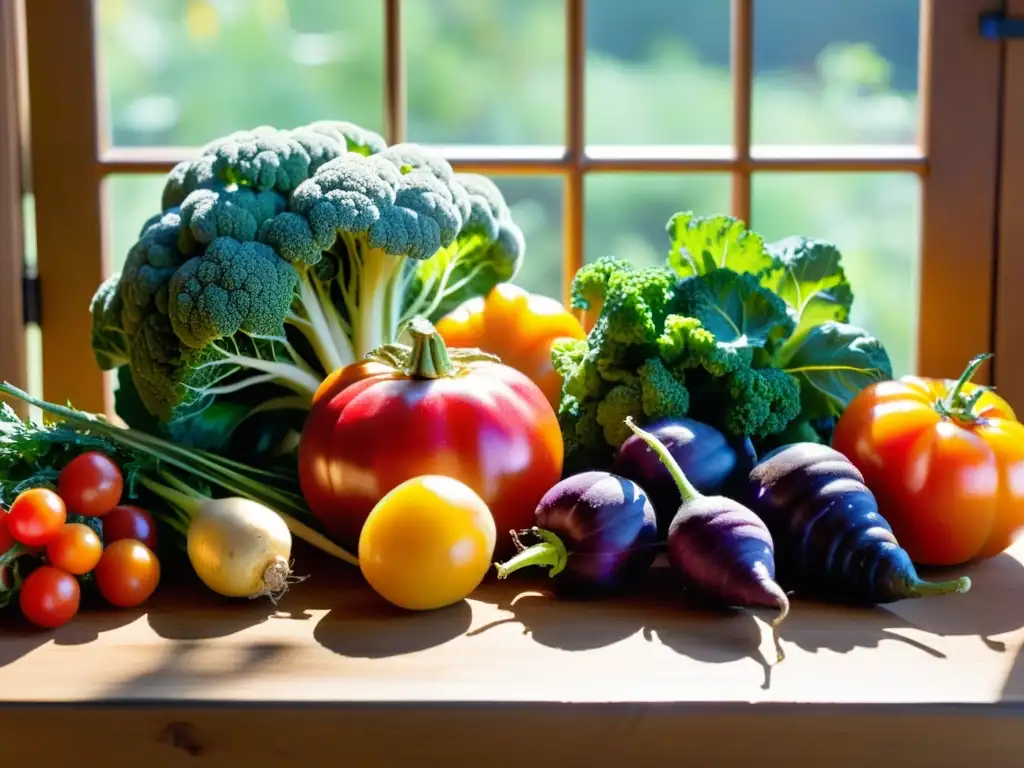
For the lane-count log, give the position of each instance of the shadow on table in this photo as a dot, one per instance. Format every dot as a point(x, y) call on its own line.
point(659, 610)
point(21, 638)
point(365, 626)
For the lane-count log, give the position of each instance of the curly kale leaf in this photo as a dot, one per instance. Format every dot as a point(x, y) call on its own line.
point(700, 245)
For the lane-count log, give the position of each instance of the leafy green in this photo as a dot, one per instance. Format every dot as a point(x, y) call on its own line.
point(735, 308)
point(703, 244)
point(749, 337)
point(809, 277)
point(833, 362)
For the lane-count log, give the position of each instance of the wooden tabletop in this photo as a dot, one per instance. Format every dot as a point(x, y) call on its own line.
point(332, 642)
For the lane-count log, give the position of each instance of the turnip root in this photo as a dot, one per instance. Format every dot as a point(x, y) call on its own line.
point(240, 548)
point(237, 546)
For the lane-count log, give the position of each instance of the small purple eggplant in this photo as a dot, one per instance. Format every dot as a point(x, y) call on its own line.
point(722, 551)
point(714, 464)
point(597, 533)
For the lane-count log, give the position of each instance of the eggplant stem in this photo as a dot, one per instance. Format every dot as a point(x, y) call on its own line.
point(922, 588)
point(686, 488)
point(549, 552)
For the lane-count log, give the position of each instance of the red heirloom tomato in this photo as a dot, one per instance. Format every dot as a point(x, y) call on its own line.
point(944, 459)
point(429, 411)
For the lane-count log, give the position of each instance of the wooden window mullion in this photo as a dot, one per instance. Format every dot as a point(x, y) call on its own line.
point(959, 96)
point(742, 45)
point(12, 327)
point(395, 103)
point(1008, 365)
point(575, 142)
point(65, 180)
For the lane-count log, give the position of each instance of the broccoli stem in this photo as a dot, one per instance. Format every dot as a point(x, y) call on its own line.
point(370, 320)
point(300, 380)
point(325, 335)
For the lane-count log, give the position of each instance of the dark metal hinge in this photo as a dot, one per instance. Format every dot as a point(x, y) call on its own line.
point(31, 298)
point(996, 25)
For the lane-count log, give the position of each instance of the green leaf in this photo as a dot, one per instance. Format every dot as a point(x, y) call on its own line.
point(735, 308)
point(833, 362)
point(809, 277)
point(701, 245)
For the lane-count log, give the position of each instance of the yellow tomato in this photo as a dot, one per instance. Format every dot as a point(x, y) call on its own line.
point(428, 543)
point(517, 326)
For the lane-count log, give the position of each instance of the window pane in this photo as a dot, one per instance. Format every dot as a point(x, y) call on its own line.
point(485, 72)
point(835, 73)
point(626, 213)
point(183, 72)
point(874, 219)
point(658, 72)
point(130, 201)
point(536, 203)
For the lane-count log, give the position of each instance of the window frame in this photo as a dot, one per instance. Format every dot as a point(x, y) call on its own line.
point(12, 329)
point(957, 159)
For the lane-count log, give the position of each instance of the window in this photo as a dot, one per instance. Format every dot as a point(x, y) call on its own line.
point(598, 119)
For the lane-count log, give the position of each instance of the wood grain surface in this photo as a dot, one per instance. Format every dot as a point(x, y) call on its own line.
point(632, 676)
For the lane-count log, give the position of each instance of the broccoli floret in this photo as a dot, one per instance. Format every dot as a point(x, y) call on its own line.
point(235, 212)
point(685, 343)
point(109, 341)
point(621, 401)
point(234, 287)
point(756, 402)
point(580, 379)
point(356, 138)
point(150, 263)
point(663, 392)
point(590, 284)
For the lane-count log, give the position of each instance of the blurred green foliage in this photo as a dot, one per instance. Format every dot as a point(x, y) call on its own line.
point(181, 72)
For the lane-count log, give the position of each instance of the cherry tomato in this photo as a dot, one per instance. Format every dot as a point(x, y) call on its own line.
point(944, 461)
point(128, 522)
point(127, 574)
point(36, 516)
point(517, 326)
point(76, 549)
point(49, 597)
point(90, 484)
point(7, 539)
point(451, 412)
point(428, 543)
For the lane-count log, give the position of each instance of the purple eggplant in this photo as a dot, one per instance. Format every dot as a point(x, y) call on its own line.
point(596, 532)
point(721, 550)
point(714, 464)
point(833, 543)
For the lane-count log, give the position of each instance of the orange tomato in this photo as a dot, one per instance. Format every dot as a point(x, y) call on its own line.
point(944, 460)
point(517, 326)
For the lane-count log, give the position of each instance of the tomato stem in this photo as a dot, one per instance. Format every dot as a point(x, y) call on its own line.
point(549, 552)
point(428, 358)
point(958, 405)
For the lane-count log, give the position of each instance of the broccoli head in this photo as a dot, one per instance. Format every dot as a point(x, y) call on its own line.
point(279, 256)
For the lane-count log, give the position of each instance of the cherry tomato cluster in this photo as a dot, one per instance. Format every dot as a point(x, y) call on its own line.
point(123, 565)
